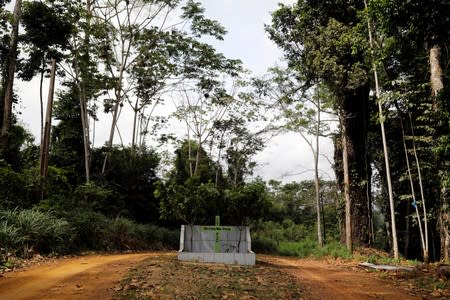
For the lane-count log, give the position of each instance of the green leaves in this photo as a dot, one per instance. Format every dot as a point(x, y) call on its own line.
point(201, 25)
point(322, 43)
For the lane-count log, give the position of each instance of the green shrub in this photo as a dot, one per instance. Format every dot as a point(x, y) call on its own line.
point(10, 240)
point(335, 250)
point(37, 231)
point(28, 231)
point(304, 248)
point(169, 239)
point(266, 246)
point(159, 238)
point(89, 231)
point(123, 234)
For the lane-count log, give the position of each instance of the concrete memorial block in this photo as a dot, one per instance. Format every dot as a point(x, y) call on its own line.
point(216, 244)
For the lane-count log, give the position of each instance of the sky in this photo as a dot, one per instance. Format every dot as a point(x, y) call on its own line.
point(287, 157)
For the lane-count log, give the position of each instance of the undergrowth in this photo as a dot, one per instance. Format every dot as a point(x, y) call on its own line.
point(24, 233)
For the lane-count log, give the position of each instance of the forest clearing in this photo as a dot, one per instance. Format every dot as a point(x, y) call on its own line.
point(160, 276)
point(286, 128)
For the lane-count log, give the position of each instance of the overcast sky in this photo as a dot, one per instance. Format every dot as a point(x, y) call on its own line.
point(286, 157)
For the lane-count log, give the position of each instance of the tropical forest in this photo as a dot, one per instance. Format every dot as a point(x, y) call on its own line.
point(140, 124)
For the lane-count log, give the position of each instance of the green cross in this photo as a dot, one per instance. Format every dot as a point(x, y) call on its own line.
point(217, 244)
point(217, 228)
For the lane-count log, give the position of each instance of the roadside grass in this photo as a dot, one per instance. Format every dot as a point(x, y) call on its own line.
point(309, 248)
point(164, 277)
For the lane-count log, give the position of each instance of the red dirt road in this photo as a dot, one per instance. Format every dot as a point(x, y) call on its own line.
point(95, 277)
point(327, 281)
point(87, 277)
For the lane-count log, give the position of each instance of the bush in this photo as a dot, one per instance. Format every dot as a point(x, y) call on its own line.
point(24, 232)
point(304, 248)
point(94, 231)
point(10, 239)
point(123, 235)
point(335, 250)
point(266, 246)
point(89, 231)
point(34, 231)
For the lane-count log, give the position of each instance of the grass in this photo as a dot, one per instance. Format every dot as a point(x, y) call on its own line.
point(309, 248)
point(165, 277)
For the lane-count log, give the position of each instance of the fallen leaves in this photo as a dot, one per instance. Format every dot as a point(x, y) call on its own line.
point(164, 277)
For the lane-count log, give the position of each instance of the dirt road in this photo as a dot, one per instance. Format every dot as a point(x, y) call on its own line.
point(87, 277)
point(95, 276)
point(327, 281)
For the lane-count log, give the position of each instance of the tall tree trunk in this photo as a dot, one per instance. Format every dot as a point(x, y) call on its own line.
point(198, 156)
point(218, 167)
point(113, 128)
point(422, 194)
point(45, 143)
point(413, 193)
point(348, 199)
point(12, 60)
point(388, 172)
point(316, 174)
point(339, 173)
point(191, 170)
point(355, 126)
point(41, 96)
point(84, 120)
point(133, 136)
point(383, 137)
point(437, 84)
point(407, 232)
point(86, 139)
point(84, 102)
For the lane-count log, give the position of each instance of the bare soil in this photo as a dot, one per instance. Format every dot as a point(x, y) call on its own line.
point(86, 277)
point(331, 280)
point(161, 276)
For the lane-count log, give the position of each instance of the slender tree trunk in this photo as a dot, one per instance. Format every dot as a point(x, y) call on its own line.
point(191, 172)
point(86, 139)
point(422, 194)
point(45, 143)
point(84, 119)
point(413, 193)
point(41, 100)
point(218, 167)
point(316, 174)
point(318, 207)
point(133, 136)
point(339, 173)
point(386, 155)
point(198, 156)
point(348, 200)
point(407, 232)
point(388, 172)
point(83, 106)
point(12, 60)
point(113, 129)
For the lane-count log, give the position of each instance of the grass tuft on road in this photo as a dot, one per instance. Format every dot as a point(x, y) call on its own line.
point(164, 277)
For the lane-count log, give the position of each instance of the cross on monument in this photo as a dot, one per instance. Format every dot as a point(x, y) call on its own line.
point(217, 229)
point(217, 244)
